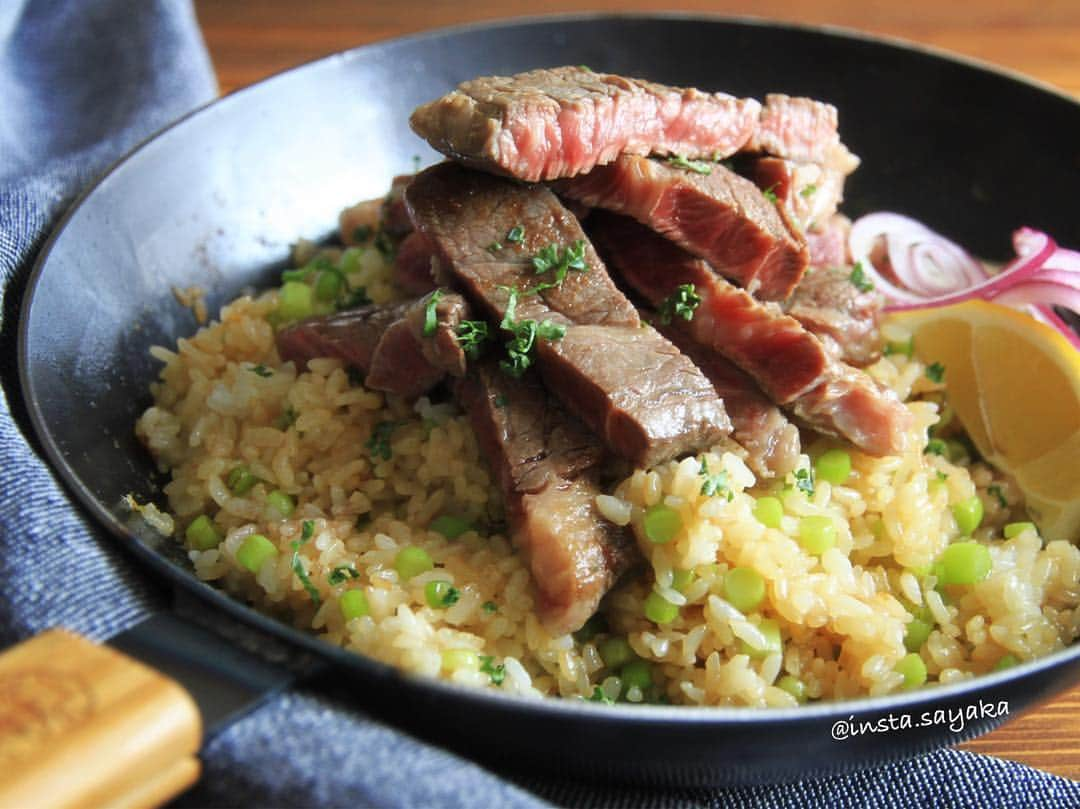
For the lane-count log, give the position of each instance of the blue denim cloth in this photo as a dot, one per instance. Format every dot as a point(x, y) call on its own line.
point(81, 82)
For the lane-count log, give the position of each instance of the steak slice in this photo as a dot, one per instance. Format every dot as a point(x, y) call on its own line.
point(646, 401)
point(758, 425)
point(547, 464)
point(412, 265)
point(387, 343)
point(719, 216)
point(563, 121)
point(789, 363)
point(846, 319)
point(800, 129)
point(809, 192)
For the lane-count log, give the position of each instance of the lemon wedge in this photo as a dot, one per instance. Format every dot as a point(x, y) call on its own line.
point(1015, 386)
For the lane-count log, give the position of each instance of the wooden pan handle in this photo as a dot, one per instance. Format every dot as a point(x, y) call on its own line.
point(82, 725)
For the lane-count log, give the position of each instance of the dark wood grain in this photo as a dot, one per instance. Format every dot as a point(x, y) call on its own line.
point(252, 39)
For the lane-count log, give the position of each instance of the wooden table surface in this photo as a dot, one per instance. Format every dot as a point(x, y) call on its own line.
point(252, 39)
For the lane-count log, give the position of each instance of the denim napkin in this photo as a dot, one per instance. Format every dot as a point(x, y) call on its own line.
point(81, 83)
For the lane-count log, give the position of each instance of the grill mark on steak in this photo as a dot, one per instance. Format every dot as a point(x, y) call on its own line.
point(386, 343)
point(789, 363)
point(604, 369)
point(560, 122)
point(720, 216)
point(548, 467)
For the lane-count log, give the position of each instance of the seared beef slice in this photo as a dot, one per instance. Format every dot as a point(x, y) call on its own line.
point(646, 401)
point(546, 463)
point(719, 216)
point(386, 343)
point(790, 364)
point(563, 121)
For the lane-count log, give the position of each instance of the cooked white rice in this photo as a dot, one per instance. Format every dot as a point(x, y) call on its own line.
point(842, 615)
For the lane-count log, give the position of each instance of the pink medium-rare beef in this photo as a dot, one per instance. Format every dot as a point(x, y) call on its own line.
point(790, 364)
point(828, 243)
point(845, 318)
point(547, 463)
point(412, 264)
point(604, 366)
point(758, 425)
point(719, 216)
point(801, 129)
point(809, 193)
point(386, 343)
point(563, 121)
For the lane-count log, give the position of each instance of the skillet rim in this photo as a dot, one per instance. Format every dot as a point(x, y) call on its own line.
point(620, 713)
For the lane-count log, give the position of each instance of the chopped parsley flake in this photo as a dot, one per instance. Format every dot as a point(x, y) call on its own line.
point(494, 247)
point(859, 280)
point(906, 348)
point(808, 191)
point(935, 372)
point(696, 166)
point(941, 476)
point(935, 446)
point(516, 235)
point(683, 302)
point(379, 442)
point(715, 484)
point(598, 695)
point(489, 607)
point(999, 495)
point(261, 370)
point(550, 259)
point(307, 530)
point(287, 418)
point(431, 316)
point(341, 574)
point(301, 571)
point(385, 245)
point(804, 481)
point(471, 335)
point(770, 194)
point(496, 673)
point(525, 334)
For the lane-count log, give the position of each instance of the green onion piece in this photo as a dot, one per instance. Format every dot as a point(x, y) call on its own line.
point(804, 481)
point(412, 561)
point(490, 607)
point(241, 481)
point(350, 259)
point(773, 643)
point(636, 673)
point(516, 234)
point(659, 610)
point(255, 551)
point(353, 604)
point(280, 502)
point(681, 579)
point(1016, 528)
point(957, 452)
point(794, 686)
point(341, 574)
point(496, 673)
point(441, 594)
point(769, 511)
point(450, 526)
point(202, 535)
point(744, 588)
point(615, 652)
point(431, 315)
point(295, 301)
point(859, 279)
point(817, 533)
point(916, 634)
point(454, 659)
point(964, 563)
point(662, 523)
point(598, 695)
point(935, 372)
point(913, 668)
point(301, 573)
point(935, 446)
point(328, 285)
point(834, 465)
point(968, 514)
point(1006, 662)
point(907, 348)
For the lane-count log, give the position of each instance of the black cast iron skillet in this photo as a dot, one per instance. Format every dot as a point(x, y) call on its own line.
point(216, 200)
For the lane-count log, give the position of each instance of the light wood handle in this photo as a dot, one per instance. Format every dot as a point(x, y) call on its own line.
point(82, 725)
